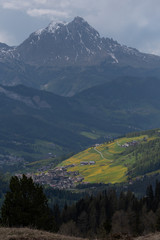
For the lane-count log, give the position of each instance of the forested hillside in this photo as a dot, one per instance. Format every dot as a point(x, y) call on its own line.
point(107, 213)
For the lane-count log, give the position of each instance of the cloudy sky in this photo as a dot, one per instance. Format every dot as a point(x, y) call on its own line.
point(135, 23)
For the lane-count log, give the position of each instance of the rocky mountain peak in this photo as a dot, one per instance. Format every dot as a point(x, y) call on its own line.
point(79, 20)
point(79, 24)
point(52, 27)
point(73, 44)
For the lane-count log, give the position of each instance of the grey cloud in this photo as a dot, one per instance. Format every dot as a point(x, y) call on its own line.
point(47, 12)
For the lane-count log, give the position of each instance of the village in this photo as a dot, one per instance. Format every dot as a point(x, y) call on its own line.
point(58, 177)
point(133, 143)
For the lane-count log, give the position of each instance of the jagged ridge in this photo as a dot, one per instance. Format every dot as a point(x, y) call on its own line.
point(75, 43)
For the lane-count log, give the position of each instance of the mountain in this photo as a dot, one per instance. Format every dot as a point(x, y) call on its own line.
point(35, 123)
point(123, 104)
point(77, 43)
point(64, 44)
point(106, 91)
point(67, 58)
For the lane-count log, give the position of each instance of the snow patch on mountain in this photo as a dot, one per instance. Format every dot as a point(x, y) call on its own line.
point(51, 28)
point(7, 54)
point(73, 43)
point(114, 58)
point(39, 32)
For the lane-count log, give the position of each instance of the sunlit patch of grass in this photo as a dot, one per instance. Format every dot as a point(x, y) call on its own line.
point(105, 174)
point(111, 168)
point(90, 135)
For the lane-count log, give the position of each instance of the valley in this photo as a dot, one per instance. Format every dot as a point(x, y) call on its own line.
point(122, 160)
point(106, 91)
point(72, 124)
point(79, 120)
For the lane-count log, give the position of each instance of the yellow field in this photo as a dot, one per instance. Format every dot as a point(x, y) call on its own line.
point(108, 168)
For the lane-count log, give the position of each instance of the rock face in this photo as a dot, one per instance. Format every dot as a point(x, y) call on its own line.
point(7, 53)
point(75, 44)
point(67, 58)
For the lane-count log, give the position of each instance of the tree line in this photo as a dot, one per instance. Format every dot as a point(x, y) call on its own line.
point(146, 157)
point(25, 204)
point(108, 213)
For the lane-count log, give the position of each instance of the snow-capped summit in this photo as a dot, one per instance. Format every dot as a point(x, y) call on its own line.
point(51, 28)
point(61, 44)
point(46, 59)
point(75, 44)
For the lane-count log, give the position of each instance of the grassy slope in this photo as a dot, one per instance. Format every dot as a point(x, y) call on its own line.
point(155, 236)
point(30, 234)
point(111, 162)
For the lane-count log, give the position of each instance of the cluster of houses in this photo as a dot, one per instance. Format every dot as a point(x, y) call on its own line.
point(133, 143)
point(58, 177)
point(128, 144)
point(87, 163)
point(44, 168)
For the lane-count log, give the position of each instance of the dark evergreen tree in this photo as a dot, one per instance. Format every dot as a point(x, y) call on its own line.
point(150, 197)
point(26, 205)
point(57, 215)
point(106, 213)
point(82, 223)
point(107, 225)
point(157, 196)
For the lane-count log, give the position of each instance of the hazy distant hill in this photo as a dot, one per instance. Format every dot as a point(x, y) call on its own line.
point(72, 124)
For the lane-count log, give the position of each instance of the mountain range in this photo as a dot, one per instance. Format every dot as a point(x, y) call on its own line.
point(67, 58)
point(80, 87)
point(74, 44)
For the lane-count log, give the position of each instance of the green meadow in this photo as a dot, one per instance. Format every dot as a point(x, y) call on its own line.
point(112, 160)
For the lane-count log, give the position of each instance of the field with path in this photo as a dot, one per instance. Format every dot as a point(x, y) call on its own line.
point(108, 162)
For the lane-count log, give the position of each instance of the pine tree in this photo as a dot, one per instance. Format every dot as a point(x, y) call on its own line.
point(150, 197)
point(26, 205)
